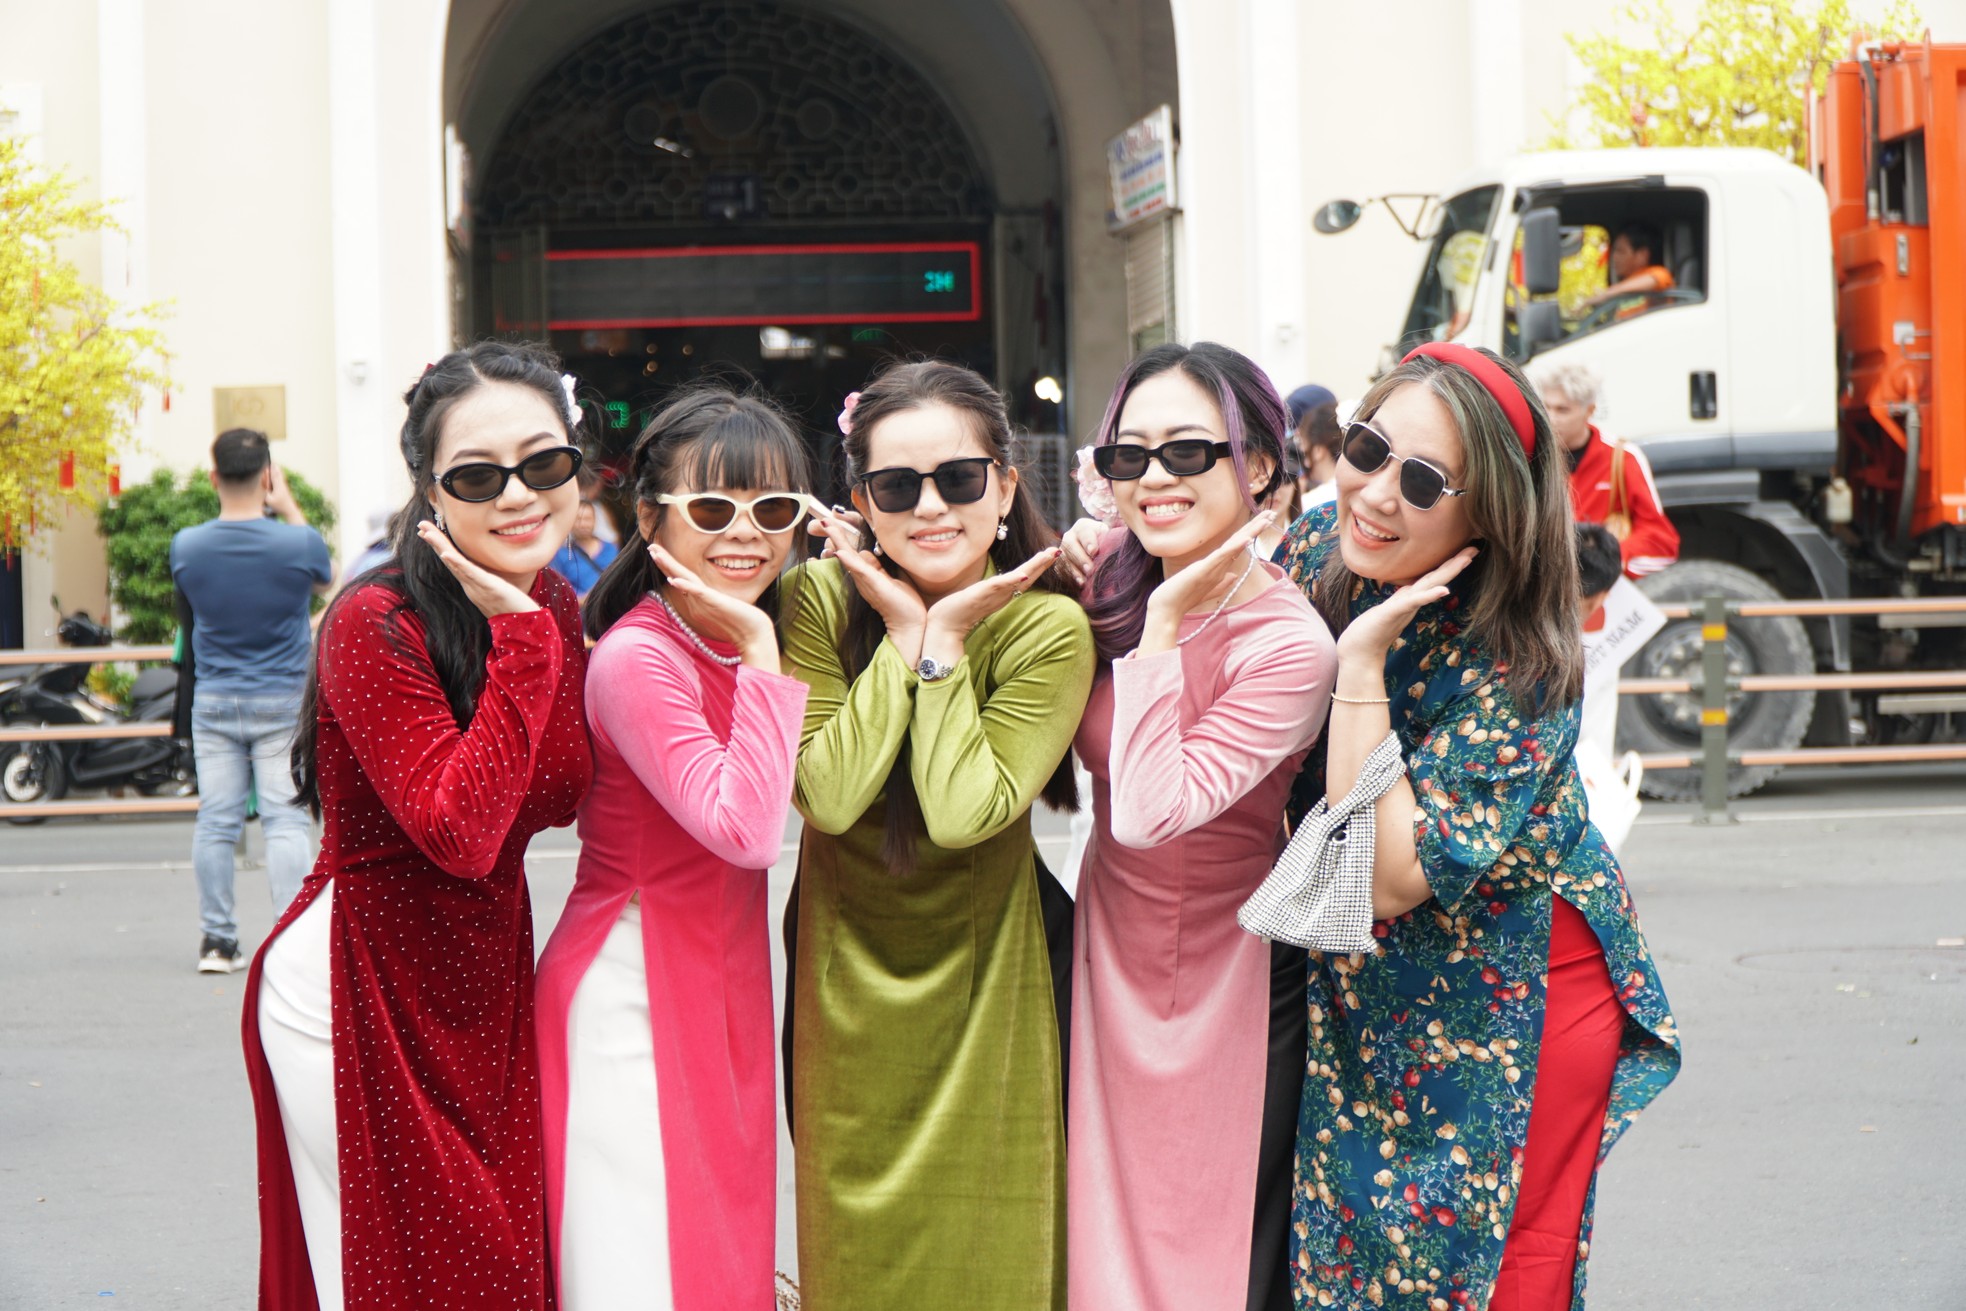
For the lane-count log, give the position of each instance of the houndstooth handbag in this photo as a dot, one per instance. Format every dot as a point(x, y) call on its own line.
point(1319, 895)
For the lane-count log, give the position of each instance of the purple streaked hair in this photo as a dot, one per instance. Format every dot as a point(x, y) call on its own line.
point(1254, 421)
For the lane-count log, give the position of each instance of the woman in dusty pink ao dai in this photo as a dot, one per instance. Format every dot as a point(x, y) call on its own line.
point(654, 995)
point(1188, 1036)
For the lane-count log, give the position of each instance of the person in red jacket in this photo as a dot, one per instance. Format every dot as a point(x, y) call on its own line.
point(1610, 481)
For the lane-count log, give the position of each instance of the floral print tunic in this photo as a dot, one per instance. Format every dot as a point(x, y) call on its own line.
point(1422, 1062)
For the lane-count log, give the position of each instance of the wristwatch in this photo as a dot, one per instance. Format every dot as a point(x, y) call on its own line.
point(930, 671)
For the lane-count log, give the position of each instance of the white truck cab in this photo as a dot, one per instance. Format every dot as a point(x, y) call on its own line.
point(1733, 369)
point(1727, 379)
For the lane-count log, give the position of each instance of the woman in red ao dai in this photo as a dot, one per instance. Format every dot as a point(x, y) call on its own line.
point(1214, 680)
point(388, 1024)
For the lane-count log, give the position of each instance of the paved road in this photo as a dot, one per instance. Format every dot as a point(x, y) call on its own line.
point(1809, 1157)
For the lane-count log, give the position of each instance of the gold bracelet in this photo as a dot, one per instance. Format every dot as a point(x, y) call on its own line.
point(1362, 701)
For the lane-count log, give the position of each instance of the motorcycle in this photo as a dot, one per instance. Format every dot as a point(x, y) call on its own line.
point(58, 695)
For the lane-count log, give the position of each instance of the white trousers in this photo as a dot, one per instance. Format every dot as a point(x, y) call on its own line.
point(614, 1212)
point(296, 1032)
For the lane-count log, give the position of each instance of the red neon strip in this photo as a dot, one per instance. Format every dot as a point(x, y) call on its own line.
point(847, 248)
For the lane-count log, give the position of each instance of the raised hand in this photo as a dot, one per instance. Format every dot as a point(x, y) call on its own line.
point(280, 497)
point(1371, 635)
point(817, 527)
point(1208, 580)
point(719, 614)
point(951, 619)
point(899, 605)
point(1081, 548)
point(484, 589)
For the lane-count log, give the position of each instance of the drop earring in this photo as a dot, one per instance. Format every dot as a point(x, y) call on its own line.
point(439, 516)
point(877, 548)
point(1003, 529)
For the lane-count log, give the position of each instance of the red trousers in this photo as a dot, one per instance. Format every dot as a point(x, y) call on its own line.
point(1582, 1024)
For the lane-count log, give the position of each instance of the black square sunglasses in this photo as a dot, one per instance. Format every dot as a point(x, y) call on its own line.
point(898, 490)
point(483, 481)
point(1421, 485)
point(1184, 457)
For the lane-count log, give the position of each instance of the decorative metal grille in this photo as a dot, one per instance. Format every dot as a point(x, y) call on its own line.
point(707, 111)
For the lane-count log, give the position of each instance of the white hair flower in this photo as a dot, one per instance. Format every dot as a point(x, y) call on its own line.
point(1095, 493)
point(567, 385)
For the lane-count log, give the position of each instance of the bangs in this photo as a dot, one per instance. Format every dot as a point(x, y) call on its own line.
point(741, 452)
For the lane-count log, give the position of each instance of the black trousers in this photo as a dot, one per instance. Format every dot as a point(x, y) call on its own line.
point(1283, 1089)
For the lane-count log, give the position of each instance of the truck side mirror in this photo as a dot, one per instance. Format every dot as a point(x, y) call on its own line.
point(1542, 251)
point(1538, 323)
point(1336, 215)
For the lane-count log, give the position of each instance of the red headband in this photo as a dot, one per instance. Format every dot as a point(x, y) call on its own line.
point(1494, 381)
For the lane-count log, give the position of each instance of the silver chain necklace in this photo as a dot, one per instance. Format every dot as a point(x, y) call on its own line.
point(690, 633)
point(1213, 615)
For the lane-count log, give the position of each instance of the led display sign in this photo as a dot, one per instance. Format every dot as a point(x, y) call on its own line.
point(716, 286)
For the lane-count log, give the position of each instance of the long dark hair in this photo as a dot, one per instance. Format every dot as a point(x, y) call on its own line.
point(706, 436)
point(456, 633)
point(1254, 420)
point(1522, 589)
point(901, 388)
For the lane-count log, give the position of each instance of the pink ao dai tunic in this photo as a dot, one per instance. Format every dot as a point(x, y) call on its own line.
point(1192, 754)
point(693, 766)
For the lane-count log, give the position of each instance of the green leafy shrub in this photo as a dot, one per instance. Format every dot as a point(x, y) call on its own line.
point(138, 525)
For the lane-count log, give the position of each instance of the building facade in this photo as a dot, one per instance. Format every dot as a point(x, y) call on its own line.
point(327, 194)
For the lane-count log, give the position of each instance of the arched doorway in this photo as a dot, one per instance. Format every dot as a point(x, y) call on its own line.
point(758, 188)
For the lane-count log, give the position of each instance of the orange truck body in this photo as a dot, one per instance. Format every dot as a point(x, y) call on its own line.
point(1889, 144)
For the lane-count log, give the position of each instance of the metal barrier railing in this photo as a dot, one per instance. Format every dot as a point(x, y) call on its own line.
point(89, 733)
point(1714, 685)
point(88, 655)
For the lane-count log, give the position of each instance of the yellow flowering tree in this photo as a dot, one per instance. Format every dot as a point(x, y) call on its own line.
point(1739, 74)
point(74, 364)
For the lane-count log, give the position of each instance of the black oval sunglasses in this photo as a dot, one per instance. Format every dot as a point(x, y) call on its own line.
point(483, 481)
point(1184, 457)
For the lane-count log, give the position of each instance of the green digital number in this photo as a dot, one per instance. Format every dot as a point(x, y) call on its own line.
point(939, 280)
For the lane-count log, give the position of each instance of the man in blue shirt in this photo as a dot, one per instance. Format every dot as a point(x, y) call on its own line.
point(585, 555)
point(248, 580)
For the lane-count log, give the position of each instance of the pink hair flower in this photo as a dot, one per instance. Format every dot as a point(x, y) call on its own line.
point(1095, 493)
point(846, 413)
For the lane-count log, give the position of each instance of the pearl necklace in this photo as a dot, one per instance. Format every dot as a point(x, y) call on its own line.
point(701, 645)
point(1226, 596)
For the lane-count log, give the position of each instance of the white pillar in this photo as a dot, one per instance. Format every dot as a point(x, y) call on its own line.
point(1496, 78)
point(1273, 191)
point(123, 176)
point(362, 416)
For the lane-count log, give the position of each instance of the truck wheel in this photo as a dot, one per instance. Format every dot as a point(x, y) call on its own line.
point(32, 773)
point(1670, 722)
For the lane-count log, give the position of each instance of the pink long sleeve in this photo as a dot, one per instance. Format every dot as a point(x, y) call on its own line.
point(1167, 781)
point(645, 696)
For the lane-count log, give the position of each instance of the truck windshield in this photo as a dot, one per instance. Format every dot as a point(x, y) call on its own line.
point(1447, 279)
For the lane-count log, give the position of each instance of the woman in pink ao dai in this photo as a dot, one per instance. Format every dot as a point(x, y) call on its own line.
point(654, 994)
point(1188, 1034)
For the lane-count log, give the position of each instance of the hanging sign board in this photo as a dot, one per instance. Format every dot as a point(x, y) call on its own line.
point(1141, 163)
point(263, 409)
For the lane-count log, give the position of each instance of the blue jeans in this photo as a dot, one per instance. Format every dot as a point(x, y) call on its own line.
point(241, 743)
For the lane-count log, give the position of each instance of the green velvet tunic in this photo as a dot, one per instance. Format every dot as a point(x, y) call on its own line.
point(926, 1075)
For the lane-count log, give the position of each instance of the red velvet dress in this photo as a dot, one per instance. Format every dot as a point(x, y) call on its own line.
point(435, 1068)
